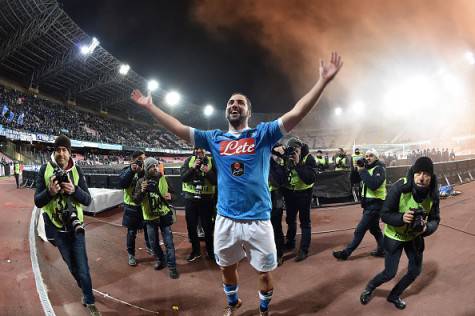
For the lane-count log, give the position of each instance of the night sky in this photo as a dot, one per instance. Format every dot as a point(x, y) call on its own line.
point(162, 39)
point(402, 58)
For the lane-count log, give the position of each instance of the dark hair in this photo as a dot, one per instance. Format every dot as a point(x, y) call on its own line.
point(137, 153)
point(248, 101)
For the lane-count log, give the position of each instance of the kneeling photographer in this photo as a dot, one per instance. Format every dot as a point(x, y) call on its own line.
point(62, 192)
point(153, 192)
point(198, 177)
point(410, 212)
point(302, 172)
point(372, 174)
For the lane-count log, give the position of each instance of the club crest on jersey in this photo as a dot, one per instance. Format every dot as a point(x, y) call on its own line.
point(244, 146)
point(237, 169)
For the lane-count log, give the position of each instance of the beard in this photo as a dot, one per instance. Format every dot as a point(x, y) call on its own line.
point(236, 121)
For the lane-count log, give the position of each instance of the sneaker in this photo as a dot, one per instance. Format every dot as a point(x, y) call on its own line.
point(193, 257)
point(341, 255)
point(174, 274)
point(365, 296)
point(377, 253)
point(261, 313)
point(229, 310)
point(400, 304)
point(159, 265)
point(149, 251)
point(93, 310)
point(132, 260)
point(302, 255)
point(280, 261)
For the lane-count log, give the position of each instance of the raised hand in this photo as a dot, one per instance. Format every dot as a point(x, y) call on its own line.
point(328, 71)
point(144, 101)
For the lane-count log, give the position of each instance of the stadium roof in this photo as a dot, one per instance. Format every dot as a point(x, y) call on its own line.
point(40, 46)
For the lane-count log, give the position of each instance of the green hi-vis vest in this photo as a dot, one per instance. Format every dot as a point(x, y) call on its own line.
point(379, 193)
point(356, 157)
point(17, 168)
point(406, 202)
point(321, 161)
point(296, 183)
point(337, 161)
point(208, 188)
point(158, 207)
point(280, 161)
point(58, 203)
point(129, 192)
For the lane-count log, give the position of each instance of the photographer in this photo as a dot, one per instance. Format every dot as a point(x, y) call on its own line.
point(411, 212)
point(341, 161)
point(61, 191)
point(277, 180)
point(373, 193)
point(322, 162)
point(199, 187)
point(152, 192)
point(301, 168)
point(133, 218)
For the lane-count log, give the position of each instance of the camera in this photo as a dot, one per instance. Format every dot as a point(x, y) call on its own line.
point(139, 163)
point(151, 185)
point(61, 176)
point(71, 220)
point(418, 223)
point(204, 161)
point(198, 183)
point(362, 162)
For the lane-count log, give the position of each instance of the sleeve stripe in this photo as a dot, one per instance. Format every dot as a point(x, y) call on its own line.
point(281, 126)
point(192, 136)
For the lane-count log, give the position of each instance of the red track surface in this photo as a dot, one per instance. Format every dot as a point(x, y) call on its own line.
point(319, 285)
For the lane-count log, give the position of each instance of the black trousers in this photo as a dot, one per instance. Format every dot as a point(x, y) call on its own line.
point(369, 221)
point(414, 251)
point(17, 180)
point(202, 210)
point(298, 202)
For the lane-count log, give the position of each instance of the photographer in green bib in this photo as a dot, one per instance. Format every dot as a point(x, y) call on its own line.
point(62, 193)
point(153, 193)
point(410, 213)
point(198, 175)
point(133, 218)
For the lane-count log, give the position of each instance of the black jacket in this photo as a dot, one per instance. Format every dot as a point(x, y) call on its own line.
point(307, 171)
point(126, 177)
point(189, 174)
point(372, 182)
point(43, 197)
point(390, 212)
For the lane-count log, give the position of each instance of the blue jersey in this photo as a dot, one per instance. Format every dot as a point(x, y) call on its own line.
point(242, 163)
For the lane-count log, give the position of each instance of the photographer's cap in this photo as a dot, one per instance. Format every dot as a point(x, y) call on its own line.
point(149, 162)
point(63, 141)
point(294, 142)
point(424, 164)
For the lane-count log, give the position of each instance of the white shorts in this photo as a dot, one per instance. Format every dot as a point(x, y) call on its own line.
point(234, 239)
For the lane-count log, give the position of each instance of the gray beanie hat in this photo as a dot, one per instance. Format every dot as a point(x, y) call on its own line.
point(150, 161)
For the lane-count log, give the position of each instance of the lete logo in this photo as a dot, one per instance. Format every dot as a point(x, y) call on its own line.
point(243, 146)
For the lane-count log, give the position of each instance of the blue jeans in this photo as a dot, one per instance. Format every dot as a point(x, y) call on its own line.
point(131, 235)
point(153, 237)
point(73, 250)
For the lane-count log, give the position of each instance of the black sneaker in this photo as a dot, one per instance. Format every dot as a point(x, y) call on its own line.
point(149, 251)
point(341, 255)
point(280, 261)
point(400, 304)
point(174, 273)
point(159, 265)
point(365, 296)
point(193, 257)
point(132, 260)
point(377, 253)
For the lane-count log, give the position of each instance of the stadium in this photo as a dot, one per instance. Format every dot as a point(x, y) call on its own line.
point(57, 79)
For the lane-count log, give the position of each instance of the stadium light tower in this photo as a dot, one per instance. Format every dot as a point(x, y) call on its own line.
point(124, 69)
point(208, 110)
point(338, 111)
point(152, 85)
point(89, 49)
point(172, 98)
